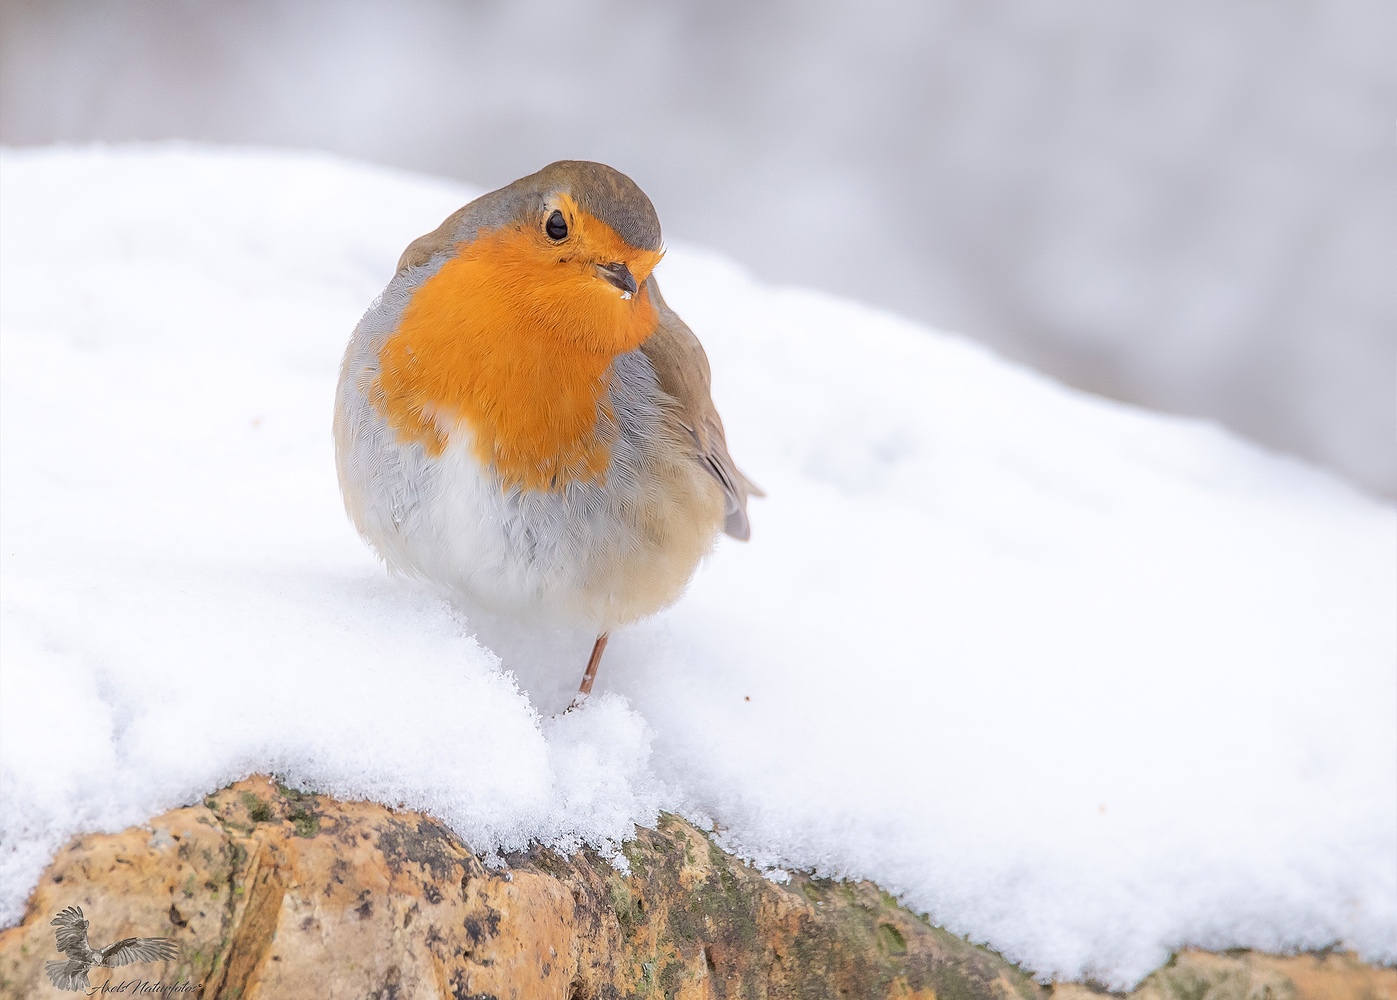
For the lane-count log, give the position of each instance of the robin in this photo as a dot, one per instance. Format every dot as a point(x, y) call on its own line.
point(522, 420)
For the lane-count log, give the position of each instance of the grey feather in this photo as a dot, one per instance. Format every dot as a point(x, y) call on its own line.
point(70, 975)
point(130, 950)
point(72, 933)
point(71, 938)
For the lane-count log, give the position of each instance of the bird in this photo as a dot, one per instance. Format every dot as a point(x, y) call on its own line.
point(72, 941)
point(522, 421)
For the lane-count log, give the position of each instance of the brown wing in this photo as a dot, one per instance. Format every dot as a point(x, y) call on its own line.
point(682, 366)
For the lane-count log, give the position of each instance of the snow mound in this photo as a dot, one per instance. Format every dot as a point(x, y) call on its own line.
point(1080, 681)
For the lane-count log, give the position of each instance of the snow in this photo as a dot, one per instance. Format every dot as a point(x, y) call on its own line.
point(1079, 681)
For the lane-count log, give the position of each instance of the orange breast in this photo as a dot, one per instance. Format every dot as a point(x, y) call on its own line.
point(515, 338)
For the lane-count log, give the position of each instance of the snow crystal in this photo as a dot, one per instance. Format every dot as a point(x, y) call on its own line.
point(1080, 681)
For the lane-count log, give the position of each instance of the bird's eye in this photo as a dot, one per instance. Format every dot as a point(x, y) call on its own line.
point(556, 227)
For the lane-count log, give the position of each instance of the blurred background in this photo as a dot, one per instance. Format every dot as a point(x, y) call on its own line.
point(1189, 205)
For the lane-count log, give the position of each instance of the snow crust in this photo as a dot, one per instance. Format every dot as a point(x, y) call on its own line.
point(1079, 681)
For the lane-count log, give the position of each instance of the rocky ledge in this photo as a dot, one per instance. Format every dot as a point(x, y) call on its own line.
point(273, 893)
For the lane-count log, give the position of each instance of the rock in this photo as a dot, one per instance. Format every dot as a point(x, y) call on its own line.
point(274, 893)
point(1252, 975)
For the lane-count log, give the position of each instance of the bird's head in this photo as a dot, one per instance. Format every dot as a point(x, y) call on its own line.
point(571, 247)
point(526, 297)
point(597, 223)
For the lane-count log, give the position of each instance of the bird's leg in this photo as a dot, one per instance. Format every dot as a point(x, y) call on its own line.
point(591, 674)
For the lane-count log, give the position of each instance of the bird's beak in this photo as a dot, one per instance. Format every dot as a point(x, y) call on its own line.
point(620, 276)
